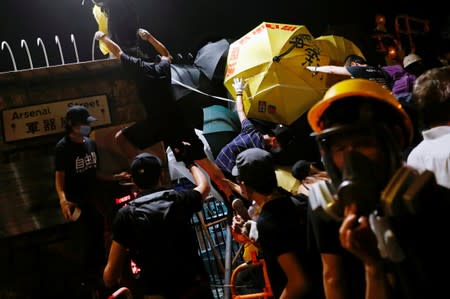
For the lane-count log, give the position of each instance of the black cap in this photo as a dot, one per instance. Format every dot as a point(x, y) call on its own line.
point(283, 134)
point(145, 170)
point(301, 169)
point(79, 115)
point(256, 168)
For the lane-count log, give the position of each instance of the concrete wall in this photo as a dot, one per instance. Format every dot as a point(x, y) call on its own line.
point(27, 169)
point(39, 251)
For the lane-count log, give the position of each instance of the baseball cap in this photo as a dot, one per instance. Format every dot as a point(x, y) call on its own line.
point(410, 59)
point(283, 134)
point(79, 115)
point(301, 169)
point(145, 170)
point(256, 168)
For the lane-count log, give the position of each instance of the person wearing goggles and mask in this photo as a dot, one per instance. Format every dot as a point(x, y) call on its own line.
point(374, 207)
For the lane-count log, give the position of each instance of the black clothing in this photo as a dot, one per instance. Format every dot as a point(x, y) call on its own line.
point(281, 230)
point(370, 73)
point(154, 86)
point(162, 242)
point(79, 162)
point(165, 120)
point(326, 235)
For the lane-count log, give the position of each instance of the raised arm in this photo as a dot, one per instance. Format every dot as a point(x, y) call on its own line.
point(239, 86)
point(329, 69)
point(201, 182)
point(159, 47)
point(110, 44)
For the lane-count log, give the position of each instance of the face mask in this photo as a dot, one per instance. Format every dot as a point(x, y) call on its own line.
point(275, 150)
point(359, 184)
point(85, 130)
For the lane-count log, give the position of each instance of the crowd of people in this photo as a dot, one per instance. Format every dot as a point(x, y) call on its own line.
point(370, 214)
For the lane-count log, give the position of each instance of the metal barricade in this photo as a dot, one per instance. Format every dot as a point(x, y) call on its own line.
point(211, 227)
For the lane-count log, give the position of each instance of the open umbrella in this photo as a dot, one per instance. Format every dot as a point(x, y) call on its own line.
point(184, 79)
point(212, 57)
point(220, 126)
point(338, 48)
point(192, 92)
point(273, 58)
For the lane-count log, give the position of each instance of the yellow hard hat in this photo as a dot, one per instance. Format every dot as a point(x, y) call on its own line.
point(359, 88)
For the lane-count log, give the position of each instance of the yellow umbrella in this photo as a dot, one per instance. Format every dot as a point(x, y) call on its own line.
point(102, 21)
point(338, 48)
point(273, 58)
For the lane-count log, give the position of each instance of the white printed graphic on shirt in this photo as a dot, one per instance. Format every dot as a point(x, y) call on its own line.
point(84, 163)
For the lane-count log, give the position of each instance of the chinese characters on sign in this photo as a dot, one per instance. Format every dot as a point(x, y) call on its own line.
point(45, 119)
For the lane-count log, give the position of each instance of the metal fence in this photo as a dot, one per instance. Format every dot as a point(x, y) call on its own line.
point(211, 226)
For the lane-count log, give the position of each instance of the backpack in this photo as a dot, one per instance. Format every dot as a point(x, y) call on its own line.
point(300, 201)
point(150, 223)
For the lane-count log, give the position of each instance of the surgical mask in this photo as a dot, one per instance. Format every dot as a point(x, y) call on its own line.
point(275, 150)
point(85, 130)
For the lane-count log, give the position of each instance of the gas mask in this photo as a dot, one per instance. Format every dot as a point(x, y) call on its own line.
point(359, 183)
point(85, 130)
point(361, 179)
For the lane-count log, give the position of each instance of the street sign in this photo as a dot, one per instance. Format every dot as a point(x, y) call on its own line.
point(46, 119)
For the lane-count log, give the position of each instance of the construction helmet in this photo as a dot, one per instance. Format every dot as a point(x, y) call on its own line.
point(360, 90)
point(360, 108)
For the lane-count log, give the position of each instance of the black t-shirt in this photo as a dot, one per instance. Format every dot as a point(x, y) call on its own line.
point(280, 231)
point(162, 242)
point(154, 83)
point(326, 235)
point(79, 162)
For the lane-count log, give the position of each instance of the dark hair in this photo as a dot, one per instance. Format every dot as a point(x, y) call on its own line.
point(145, 170)
point(67, 128)
point(354, 58)
point(431, 94)
point(264, 186)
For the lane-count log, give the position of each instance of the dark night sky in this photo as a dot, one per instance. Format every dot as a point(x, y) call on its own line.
point(182, 25)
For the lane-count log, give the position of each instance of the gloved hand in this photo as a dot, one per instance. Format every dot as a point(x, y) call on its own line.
point(182, 153)
point(239, 86)
point(251, 230)
point(312, 68)
point(143, 34)
point(99, 35)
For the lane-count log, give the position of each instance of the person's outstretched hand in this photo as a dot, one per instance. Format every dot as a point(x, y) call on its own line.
point(99, 35)
point(312, 68)
point(143, 34)
point(124, 175)
point(239, 85)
